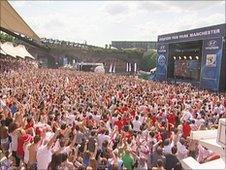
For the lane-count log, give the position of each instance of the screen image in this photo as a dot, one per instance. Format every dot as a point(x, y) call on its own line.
point(187, 69)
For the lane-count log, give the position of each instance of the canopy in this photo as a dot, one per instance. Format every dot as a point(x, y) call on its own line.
point(12, 21)
point(8, 48)
point(1, 51)
point(22, 52)
point(18, 51)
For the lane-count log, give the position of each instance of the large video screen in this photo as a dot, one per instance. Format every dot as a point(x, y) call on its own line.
point(188, 69)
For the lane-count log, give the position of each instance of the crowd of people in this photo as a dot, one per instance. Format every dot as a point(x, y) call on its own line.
point(8, 64)
point(62, 119)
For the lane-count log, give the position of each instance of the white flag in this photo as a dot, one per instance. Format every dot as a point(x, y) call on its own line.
point(130, 67)
point(110, 69)
point(135, 67)
point(113, 68)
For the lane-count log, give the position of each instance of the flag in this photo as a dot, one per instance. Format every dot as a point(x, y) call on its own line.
point(113, 70)
point(130, 67)
point(135, 67)
point(110, 69)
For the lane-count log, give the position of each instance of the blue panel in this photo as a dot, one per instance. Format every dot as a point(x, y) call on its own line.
point(211, 64)
point(162, 61)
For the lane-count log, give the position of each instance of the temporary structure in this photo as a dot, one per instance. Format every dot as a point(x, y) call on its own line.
point(99, 69)
point(18, 51)
point(8, 48)
point(22, 52)
point(1, 51)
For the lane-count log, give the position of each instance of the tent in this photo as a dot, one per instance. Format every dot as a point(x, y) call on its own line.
point(99, 69)
point(1, 50)
point(22, 52)
point(18, 51)
point(8, 48)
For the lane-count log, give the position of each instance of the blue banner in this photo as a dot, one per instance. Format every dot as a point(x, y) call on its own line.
point(162, 61)
point(211, 64)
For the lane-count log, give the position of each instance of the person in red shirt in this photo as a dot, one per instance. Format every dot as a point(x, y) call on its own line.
point(30, 123)
point(186, 129)
point(126, 119)
point(153, 119)
point(132, 113)
point(23, 138)
point(171, 117)
point(158, 136)
point(119, 123)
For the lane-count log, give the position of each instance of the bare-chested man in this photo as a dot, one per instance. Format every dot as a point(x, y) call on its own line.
point(32, 153)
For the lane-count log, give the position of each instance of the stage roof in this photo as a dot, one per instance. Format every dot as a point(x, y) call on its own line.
point(194, 34)
point(13, 22)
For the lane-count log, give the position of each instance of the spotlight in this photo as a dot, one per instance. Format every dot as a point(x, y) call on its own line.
point(180, 57)
point(185, 57)
point(174, 57)
point(197, 57)
point(190, 57)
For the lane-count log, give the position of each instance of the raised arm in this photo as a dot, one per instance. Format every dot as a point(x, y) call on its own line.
point(74, 141)
point(51, 141)
point(85, 148)
point(157, 143)
point(95, 151)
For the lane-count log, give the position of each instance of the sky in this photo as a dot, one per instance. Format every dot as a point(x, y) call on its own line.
point(100, 22)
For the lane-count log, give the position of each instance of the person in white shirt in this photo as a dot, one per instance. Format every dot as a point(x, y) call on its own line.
point(167, 147)
point(3, 103)
point(114, 119)
point(101, 138)
point(186, 116)
point(44, 153)
point(142, 118)
point(96, 116)
point(219, 109)
point(136, 124)
point(182, 151)
point(199, 121)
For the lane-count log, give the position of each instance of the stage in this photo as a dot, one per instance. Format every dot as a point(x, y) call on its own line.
point(194, 56)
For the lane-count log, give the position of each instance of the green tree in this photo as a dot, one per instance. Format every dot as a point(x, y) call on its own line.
point(6, 37)
point(149, 60)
